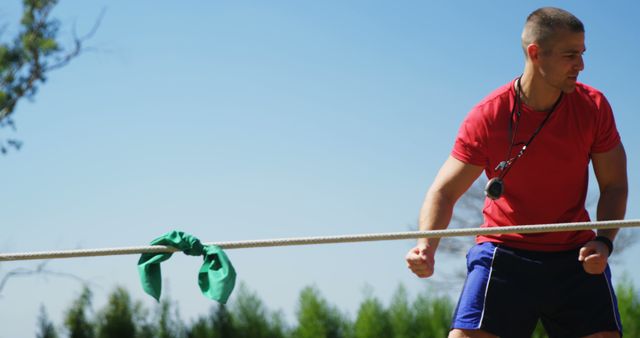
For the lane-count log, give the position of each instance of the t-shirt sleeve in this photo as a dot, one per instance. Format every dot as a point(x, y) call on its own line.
point(471, 143)
point(606, 132)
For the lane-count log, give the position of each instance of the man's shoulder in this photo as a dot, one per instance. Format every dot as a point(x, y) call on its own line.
point(590, 95)
point(498, 100)
point(587, 89)
point(500, 95)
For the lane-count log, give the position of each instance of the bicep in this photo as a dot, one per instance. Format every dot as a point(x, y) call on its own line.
point(610, 168)
point(455, 177)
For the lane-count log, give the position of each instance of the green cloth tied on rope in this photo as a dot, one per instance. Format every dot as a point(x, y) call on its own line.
point(216, 277)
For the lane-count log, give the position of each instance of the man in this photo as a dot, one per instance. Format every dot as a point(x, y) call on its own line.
point(534, 138)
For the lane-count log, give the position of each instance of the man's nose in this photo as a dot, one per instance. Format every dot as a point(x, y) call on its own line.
point(579, 66)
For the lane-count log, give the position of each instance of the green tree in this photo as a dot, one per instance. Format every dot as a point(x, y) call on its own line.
point(629, 305)
point(428, 316)
point(432, 316)
point(372, 320)
point(252, 319)
point(45, 327)
point(222, 323)
point(401, 317)
point(539, 332)
point(317, 319)
point(200, 329)
point(28, 58)
point(144, 326)
point(169, 322)
point(218, 324)
point(76, 321)
point(116, 319)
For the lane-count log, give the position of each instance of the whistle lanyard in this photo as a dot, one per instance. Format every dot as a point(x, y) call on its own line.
point(506, 165)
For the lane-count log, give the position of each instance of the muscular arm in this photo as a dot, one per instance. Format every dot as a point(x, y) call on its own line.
point(453, 179)
point(611, 172)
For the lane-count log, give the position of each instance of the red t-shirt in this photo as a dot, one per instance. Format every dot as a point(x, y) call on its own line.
point(548, 184)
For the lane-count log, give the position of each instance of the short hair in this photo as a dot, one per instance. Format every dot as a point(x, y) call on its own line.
point(543, 23)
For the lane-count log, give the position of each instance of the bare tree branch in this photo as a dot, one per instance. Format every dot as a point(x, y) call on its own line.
point(39, 270)
point(78, 44)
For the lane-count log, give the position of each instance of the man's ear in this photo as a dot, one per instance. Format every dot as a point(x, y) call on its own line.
point(533, 51)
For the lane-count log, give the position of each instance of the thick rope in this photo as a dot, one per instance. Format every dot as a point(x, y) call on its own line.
point(520, 229)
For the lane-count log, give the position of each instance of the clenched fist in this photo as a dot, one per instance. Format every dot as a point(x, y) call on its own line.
point(594, 256)
point(420, 260)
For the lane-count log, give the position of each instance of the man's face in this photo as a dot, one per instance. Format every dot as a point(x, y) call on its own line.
point(561, 61)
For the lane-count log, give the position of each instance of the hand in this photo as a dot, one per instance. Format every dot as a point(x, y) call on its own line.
point(594, 256)
point(420, 260)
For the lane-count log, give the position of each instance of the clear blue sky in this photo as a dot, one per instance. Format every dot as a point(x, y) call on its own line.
point(251, 120)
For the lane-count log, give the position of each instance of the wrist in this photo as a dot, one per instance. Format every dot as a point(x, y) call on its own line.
point(606, 241)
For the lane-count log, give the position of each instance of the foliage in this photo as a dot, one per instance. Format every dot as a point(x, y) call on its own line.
point(145, 328)
point(45, 327)
point(539, 332)
point(432, 316)
point(401, 316)
point(76, 320)
point(372, 320)
point(116, 320)
point(428, 315)
point(28, 58)
point(252, 319)
point(169, 324)
point(318, 319)
point(217, 324)
point(629, 306)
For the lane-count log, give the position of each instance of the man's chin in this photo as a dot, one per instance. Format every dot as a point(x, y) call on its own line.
point(569, 88)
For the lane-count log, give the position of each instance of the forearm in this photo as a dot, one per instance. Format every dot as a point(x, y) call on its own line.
point(612, 205)
point(611, 171)
point(435, 214)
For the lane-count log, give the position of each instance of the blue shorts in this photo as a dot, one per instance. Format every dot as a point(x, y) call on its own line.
point(508, 290)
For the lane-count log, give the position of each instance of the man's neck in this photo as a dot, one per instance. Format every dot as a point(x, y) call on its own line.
point(535, 93)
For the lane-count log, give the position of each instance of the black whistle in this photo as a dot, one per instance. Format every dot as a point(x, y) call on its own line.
point(494, 188)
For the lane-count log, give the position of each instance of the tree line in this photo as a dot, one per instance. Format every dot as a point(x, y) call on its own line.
point(424, 316)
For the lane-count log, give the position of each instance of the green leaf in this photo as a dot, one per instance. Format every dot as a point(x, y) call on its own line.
point(48, 45)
